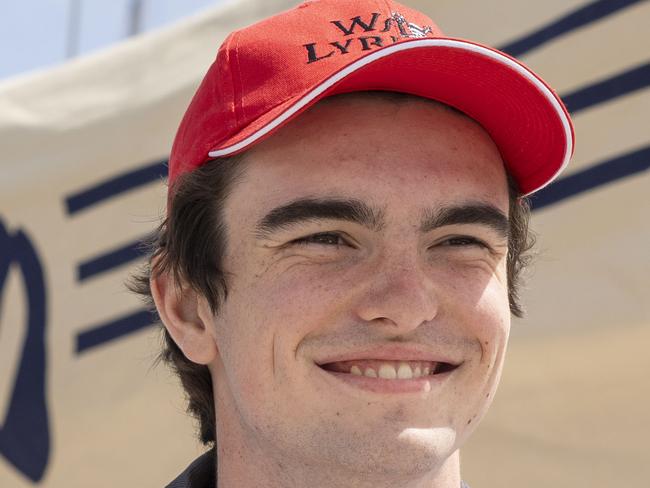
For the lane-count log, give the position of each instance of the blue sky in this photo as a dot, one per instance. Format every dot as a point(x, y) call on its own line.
point(34, 33)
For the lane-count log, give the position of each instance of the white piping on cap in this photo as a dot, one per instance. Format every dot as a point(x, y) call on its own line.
point(453, 43)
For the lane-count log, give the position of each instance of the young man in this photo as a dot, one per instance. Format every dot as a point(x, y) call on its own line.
point(345, 231)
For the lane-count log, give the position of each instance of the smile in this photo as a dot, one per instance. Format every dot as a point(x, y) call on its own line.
point(389, 376)
point(390, 370)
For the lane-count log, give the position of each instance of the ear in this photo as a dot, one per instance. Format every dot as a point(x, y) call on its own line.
point(187, 317)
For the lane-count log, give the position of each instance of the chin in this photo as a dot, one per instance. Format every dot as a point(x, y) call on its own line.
point(413, 453)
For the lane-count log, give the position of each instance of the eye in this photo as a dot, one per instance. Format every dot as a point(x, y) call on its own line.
point(322, 238)
point(464, 241)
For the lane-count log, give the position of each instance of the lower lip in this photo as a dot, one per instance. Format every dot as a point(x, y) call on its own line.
point(424, 384)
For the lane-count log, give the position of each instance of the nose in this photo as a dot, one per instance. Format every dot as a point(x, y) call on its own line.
point(400, 295)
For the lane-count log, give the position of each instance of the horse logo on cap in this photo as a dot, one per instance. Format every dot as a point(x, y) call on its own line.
point(410, 29)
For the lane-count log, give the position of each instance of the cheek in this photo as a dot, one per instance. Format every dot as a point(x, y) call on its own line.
point(477, 302)
point(490, 325)
point(304, 290)
point(476, 285)
point(263, 321)
point(493, 313)
point(486, 319)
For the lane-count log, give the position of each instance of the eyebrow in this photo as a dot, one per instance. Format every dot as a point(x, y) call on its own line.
point(313, 209)
point(469, 213)
point(352, 210)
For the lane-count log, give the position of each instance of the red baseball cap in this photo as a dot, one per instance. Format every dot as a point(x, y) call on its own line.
point(270, 72)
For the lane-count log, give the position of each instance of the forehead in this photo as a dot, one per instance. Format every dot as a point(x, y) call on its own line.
point(391, 150)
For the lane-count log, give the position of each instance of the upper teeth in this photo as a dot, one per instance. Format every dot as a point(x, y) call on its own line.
point(392, 370)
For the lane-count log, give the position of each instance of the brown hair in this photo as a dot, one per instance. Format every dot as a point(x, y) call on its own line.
point(190, 243)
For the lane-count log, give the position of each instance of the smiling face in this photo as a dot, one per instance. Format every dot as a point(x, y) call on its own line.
point(366, 238)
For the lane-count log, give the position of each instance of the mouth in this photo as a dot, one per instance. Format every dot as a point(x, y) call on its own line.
point(388, 377)
point(389, 369)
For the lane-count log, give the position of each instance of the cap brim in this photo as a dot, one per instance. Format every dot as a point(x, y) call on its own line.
point(524, 117)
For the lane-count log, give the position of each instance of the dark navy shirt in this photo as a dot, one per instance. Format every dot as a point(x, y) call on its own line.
point(201, 473)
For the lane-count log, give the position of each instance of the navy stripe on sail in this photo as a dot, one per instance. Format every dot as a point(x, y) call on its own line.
point(597, 175)
point(581, 17)
point(114, 186)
